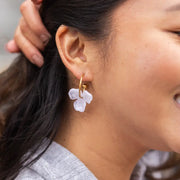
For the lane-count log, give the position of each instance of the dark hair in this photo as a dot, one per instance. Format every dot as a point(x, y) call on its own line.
point(32, 99)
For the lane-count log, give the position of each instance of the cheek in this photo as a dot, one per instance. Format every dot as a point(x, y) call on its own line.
point(148, 71)
point(141, 84)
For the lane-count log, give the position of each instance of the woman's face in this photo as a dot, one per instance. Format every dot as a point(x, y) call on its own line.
point(141, 77)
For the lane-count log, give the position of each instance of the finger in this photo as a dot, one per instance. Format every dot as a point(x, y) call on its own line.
point(28, 34)
point(12, 47)
point(28, 49)
point(33, 19)
point(37, 1)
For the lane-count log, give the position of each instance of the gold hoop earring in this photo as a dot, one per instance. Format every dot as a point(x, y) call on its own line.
point(82, 87)
point(81, 95)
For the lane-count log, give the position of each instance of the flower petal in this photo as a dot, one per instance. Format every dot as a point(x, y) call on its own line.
point(80, 105)
point(73, 94)
point(87, 97)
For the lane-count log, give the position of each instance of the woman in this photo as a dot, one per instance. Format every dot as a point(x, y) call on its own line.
point(133, 106)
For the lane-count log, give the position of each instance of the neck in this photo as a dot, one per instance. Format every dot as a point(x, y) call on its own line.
point(106, 149)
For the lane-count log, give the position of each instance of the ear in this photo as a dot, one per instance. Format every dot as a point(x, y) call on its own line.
point(71, 46)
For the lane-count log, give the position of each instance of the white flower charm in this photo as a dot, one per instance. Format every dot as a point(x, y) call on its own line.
point(80, 103)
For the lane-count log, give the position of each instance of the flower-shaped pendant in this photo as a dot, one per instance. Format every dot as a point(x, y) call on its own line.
point(80, 103)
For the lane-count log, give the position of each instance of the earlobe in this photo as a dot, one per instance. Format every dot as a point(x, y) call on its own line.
point(71, 51)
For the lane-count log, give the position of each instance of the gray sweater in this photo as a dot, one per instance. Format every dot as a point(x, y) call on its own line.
point(57, 163)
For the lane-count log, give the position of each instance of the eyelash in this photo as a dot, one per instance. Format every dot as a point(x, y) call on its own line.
point(177, 32)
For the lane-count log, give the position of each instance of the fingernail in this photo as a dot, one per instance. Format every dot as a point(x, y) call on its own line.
point(37, 1)
point(44, 38)
point(10, 45)
point(38, 60)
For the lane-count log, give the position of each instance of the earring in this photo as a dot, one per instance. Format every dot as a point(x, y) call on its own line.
point(81, 95)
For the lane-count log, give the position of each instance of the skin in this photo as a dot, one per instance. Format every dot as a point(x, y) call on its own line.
point(30, 36)
point(133, 108)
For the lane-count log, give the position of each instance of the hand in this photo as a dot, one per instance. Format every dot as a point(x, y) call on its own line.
point(37, 1)
point(31, 36)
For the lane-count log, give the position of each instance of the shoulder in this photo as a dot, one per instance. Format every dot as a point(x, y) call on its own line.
point(28, 174)
point(57, 163)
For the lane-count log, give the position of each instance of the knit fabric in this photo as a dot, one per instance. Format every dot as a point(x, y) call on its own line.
point(57, 163)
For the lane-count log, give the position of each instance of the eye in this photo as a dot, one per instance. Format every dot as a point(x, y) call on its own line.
point(176, 32)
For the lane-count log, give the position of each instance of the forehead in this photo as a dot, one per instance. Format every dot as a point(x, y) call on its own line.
point(143, 16)
point(146, 11)
point(151, 5)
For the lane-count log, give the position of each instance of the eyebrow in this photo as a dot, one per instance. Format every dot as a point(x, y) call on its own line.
point(173, 8)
